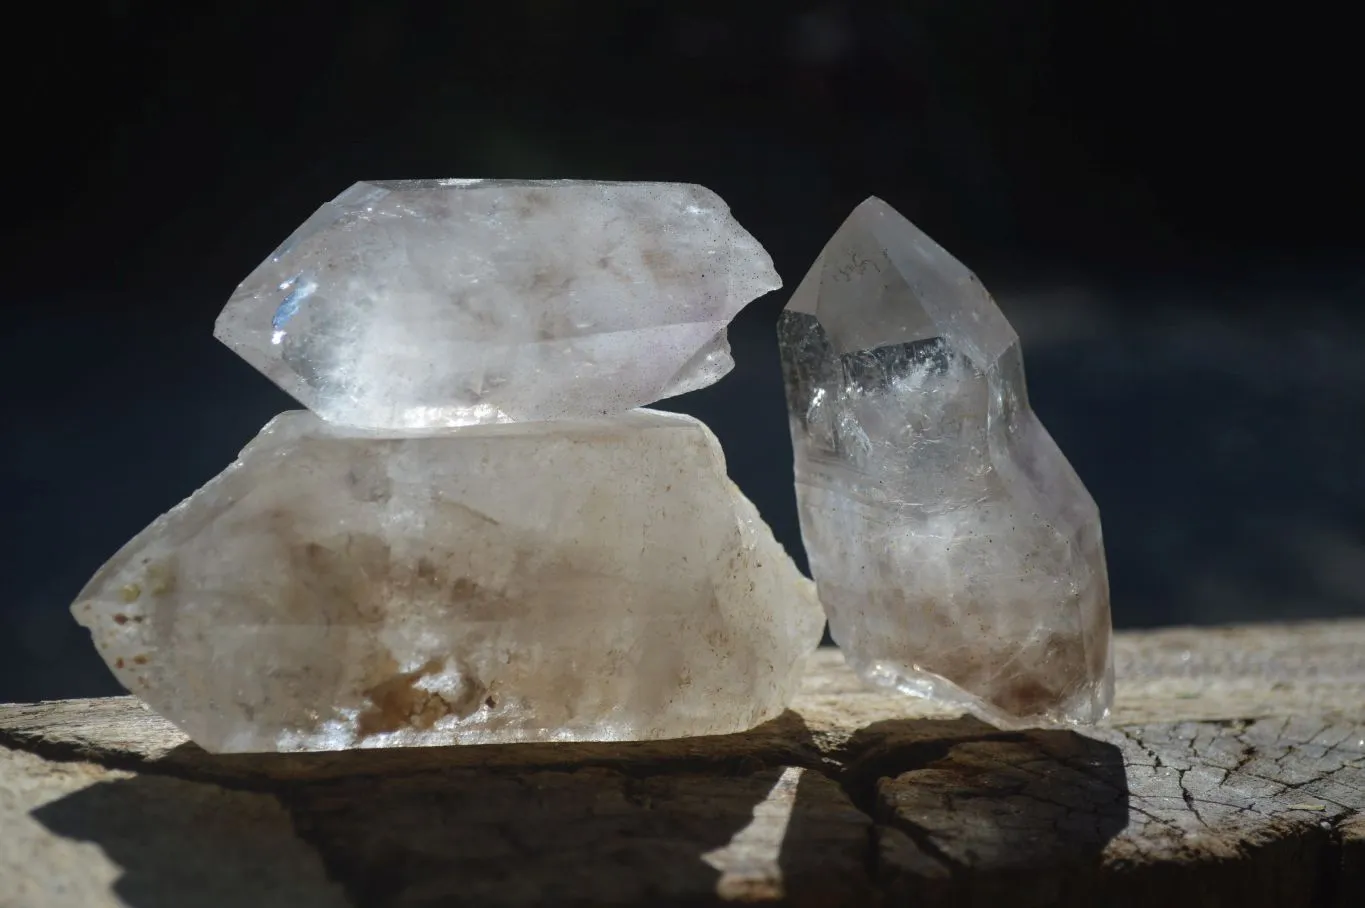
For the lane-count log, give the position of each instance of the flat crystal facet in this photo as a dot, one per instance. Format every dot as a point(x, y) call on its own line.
point(436, 303)
point(957, 554)
point(336, 588)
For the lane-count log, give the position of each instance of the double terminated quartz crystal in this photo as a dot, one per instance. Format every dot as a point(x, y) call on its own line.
point(455, 302)
point(401, 572)
point(956, 552)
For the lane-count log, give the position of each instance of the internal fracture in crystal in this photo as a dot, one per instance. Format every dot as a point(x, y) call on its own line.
point(957, 554)
point(337, 588)
point(458, 302)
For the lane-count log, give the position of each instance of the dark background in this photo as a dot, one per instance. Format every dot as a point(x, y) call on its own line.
point(1162, 195)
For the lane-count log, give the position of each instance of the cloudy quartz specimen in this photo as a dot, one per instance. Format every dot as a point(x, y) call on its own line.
point(457, 302)
point(337, 588)
point(957, 554)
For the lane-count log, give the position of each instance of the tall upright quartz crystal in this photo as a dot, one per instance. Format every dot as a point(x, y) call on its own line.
point(957, 554)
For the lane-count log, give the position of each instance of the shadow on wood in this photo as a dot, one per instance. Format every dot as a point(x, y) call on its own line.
point(180, 843)
point(972, 815)
point(928, 810)
point(654, 831)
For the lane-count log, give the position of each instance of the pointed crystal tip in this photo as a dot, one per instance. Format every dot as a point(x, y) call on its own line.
point(882, 280)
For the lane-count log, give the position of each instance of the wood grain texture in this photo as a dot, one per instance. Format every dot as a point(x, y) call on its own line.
point(1232, 773)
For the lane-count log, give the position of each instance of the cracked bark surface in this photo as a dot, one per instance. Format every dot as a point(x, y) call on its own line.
point(1232, 773)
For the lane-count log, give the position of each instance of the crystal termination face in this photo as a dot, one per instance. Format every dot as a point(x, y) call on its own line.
point(957, 554)
point(338, 588)
point(458, 302)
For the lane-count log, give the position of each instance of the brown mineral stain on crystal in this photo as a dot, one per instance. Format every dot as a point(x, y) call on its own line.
point(663, 265)
point(1036, 683)
point(553, 322)
point(474, 602)
point(120, 619)
point(461, 594)
point(341, 582)
point(161, 578)
point(397, 702)
point(1025, 696)
point(368, 480)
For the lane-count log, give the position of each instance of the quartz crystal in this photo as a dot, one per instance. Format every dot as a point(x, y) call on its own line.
point(956, 552)
point(337, 588)
point(457, 302)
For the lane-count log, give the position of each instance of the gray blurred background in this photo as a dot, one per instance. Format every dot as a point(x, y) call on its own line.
point(1162, 196)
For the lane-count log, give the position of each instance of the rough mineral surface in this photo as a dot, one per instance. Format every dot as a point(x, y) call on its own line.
point(457, 302)
point(336, 588)
point(956, 552)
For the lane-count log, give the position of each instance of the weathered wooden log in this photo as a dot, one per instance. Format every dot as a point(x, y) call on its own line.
point(1233, 773)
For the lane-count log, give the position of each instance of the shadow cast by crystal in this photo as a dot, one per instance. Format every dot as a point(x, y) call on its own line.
point(972, 810)
point(535, 824)
point(925, 812)
point(180, 843)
